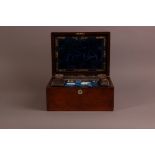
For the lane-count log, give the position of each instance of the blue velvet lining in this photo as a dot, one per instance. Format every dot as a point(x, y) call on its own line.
point(79, 53)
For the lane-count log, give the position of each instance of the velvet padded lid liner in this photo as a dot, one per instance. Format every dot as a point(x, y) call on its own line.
point(81, 52)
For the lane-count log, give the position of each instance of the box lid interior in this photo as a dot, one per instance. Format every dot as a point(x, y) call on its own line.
point(84, 53)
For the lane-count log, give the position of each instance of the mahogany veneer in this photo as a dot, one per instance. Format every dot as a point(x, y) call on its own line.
point(62, 98)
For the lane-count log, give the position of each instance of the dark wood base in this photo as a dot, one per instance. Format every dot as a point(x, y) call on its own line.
point(91, 99)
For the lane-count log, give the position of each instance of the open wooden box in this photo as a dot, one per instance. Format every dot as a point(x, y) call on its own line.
point(80, 72)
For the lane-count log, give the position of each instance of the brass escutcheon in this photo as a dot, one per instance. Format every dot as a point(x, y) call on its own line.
point(80, 92)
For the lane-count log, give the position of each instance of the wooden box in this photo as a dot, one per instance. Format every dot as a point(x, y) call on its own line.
point(80, 72)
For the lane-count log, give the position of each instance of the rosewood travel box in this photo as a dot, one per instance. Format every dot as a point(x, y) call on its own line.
point(80, 72)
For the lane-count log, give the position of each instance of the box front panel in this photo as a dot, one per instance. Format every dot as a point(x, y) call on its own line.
point(81, 99)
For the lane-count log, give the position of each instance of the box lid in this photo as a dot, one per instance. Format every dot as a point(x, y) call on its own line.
point(80, 53)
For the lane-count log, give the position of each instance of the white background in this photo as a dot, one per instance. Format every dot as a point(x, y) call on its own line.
point(69, 142)
point(77, 12)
